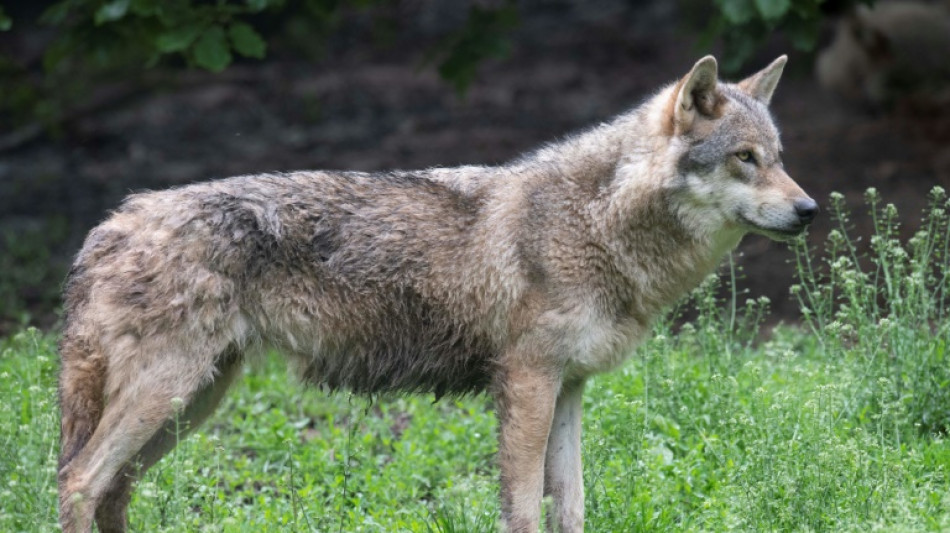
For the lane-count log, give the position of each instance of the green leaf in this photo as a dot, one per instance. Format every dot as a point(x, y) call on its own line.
point(803, 33)
point(56, 13)
point(738, 47)
point(111, 11)
point(57, 51)
point(811, 9)
point(773, 9)
point(246, 40)
point(5, 21)
point(150, 8)
point(485, 35)
point(257, 5)
point(177, 39)
point(212, 51)
point(737, 11)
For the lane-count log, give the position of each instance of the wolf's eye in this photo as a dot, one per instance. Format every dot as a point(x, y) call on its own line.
point(746, 156)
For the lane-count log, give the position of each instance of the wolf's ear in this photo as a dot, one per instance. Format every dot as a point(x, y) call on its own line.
point(696, 93)
point(762, 84)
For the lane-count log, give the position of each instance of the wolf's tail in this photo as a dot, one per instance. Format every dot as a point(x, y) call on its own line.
point(82, 377)
point(81, 399)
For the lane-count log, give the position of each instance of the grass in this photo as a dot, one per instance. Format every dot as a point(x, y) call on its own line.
point(836, 424)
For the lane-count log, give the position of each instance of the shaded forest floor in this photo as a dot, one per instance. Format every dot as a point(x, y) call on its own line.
point(366, 107)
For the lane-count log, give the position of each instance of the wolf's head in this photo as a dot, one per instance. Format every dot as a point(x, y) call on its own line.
point(728, 155)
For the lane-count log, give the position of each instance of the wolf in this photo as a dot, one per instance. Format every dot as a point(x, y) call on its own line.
point(520, 280)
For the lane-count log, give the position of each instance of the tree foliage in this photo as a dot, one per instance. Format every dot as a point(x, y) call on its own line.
point(97, 40)
point(744, 25)
point(118, 33)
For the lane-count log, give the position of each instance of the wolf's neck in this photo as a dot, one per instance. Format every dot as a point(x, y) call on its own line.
point(661, 258)
point(660, 253)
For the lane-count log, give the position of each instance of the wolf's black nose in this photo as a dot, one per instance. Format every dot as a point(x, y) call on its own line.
point(806, 209)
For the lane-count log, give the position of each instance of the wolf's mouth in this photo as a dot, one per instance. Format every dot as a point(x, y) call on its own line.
point(781, 234)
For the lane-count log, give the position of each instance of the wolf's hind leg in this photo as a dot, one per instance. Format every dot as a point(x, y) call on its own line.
point(111, 515)
point(132, 419)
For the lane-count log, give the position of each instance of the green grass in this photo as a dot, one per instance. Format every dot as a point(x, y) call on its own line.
point(835, 424)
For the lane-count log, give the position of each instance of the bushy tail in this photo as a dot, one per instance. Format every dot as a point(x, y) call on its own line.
point(81, 387)
point(82, 376)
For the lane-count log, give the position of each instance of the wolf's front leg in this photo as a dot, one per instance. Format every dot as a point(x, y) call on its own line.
point(563, 473)
point(525, 398)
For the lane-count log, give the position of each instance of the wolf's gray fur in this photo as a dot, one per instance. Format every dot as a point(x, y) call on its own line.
point(521, 280)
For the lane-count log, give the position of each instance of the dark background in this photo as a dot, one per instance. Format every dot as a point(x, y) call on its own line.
point(368, 106)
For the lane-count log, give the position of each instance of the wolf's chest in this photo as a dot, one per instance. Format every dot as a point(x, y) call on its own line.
point(599, 345)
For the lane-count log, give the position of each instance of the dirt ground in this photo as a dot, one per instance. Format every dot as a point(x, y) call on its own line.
point(368, 108)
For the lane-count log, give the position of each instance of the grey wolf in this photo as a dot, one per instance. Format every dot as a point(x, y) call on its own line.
point(520, 280)
point(889, 52)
